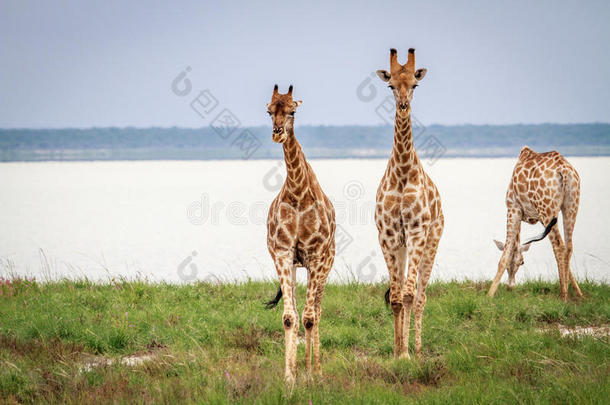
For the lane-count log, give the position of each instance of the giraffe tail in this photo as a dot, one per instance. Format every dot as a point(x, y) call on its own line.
point(543, 234)
point(387, 297)
point(273, 303)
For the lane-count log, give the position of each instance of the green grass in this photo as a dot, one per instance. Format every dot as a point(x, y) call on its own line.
point(476, 349)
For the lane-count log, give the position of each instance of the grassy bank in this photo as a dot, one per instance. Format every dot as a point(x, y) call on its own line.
point(216, 344)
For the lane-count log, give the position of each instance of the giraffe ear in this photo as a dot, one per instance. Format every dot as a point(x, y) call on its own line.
point(383, 75)
point(298, 103)
point(420, 73)
point(499, 244)
point(525, 248)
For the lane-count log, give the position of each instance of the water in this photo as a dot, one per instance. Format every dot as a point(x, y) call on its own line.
point(178, 221)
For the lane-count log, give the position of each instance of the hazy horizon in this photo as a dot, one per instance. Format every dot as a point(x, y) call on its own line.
point(69, 64)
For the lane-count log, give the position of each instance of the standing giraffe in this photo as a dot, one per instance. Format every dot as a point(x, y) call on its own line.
point(300, 233)
point(542, 184)
point(408, 213)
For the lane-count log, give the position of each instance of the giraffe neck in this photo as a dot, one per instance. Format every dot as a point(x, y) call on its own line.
point(296, 166)
point(403, 151)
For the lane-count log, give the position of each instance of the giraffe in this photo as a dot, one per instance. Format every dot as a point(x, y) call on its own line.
point(300, 233)
point(408, 213)
point(542, 184)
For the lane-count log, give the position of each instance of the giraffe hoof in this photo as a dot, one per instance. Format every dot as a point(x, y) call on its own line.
point(405, 355)
point(289, 381)
point(312, 378)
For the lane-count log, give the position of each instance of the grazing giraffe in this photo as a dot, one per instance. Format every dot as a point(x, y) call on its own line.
point(408, 212)
point(300, 233)
point(542, 184)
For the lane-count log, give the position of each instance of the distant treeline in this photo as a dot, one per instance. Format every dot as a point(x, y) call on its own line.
point(319, 142)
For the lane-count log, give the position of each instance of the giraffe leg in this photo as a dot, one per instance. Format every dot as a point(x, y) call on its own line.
point(316, 330)
point(571, 276)
point(290, 318)
point(434, 236)
point(404, 316)
point(295, 330)
point(394, 260)
point(309, 313)
point(313, 307)
point(513, 224)
point(569, 211)
point(560, 256)
point(405, 319)
point(416, 241)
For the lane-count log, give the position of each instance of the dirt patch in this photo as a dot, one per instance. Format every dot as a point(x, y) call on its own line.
point(132, 360)
point(98, 361)
point(602, 331)
point(55, 350)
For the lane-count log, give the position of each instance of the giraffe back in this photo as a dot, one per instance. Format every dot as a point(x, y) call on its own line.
point(540, 183)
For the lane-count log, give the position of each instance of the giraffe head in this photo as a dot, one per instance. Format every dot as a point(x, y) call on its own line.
point(402, 79)
point(515, 260)
point(281, 109)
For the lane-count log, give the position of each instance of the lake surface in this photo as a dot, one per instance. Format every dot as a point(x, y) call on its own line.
point(178, 221)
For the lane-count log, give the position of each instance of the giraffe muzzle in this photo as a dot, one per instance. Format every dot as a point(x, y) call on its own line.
point(279, 135)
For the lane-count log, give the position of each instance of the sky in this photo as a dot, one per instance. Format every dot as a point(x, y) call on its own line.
point(112, 63)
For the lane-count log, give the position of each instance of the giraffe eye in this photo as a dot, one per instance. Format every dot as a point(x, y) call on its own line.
point(390, 86)
point(269, 112)
point(292, 113)
point(415, 85)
